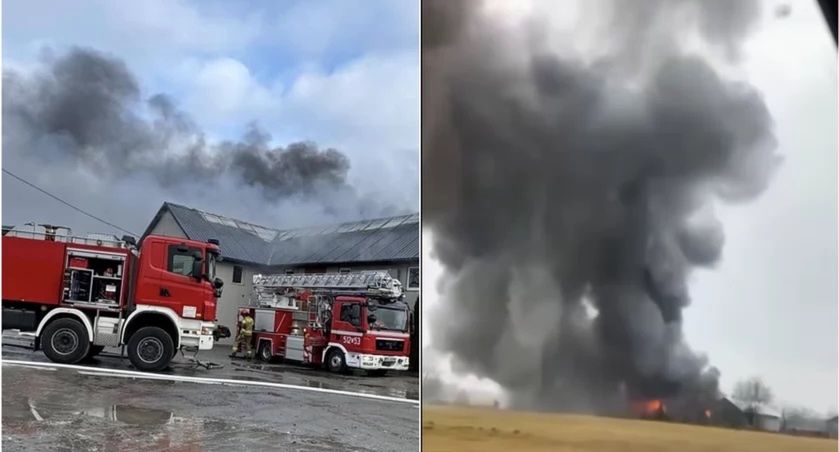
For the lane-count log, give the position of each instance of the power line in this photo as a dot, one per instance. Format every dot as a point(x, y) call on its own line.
point(65, 202)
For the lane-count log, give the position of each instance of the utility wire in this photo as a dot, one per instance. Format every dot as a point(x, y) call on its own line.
point(65, 202)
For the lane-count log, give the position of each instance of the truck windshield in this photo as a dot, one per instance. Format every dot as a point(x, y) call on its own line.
point(388, 318)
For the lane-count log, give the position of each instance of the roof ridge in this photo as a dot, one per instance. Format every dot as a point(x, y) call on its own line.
point(228, 218)
point(354, 222)
point(312, 226)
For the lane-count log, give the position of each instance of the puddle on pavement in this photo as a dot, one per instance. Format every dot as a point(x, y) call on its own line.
point(40, 425)
point(125, 414)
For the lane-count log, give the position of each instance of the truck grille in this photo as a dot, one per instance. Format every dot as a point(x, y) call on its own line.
point(382, 344)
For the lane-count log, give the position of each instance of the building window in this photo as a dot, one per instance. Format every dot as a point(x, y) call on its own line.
point(181, 259)
point(344, 270)
point(413, 278)
point(289, 271)
point(237, 274)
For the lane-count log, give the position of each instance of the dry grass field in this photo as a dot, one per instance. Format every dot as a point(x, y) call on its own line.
point(460, 429)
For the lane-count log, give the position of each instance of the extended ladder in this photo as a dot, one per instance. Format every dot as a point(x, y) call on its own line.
point(366, 283)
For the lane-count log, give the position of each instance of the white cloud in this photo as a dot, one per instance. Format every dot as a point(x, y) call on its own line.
point(223, 91)
point(367, 108)
point(152, 36)
point(180, 26)
point(370, 101)
point(154, 26)
point(395, 25)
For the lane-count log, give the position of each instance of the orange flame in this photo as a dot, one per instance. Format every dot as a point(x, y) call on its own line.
point(648, 407)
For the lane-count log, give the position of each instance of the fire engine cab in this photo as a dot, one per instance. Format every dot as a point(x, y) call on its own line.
point(348, 320)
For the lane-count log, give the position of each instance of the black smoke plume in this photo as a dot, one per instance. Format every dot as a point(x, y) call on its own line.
point(570, 195)
point(86, 108)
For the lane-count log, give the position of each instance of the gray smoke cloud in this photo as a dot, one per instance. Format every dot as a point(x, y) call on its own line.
point(86, 108)
point(570, 199)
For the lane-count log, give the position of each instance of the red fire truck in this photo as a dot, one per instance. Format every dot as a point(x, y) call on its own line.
point(78, 295)
point(348, 320)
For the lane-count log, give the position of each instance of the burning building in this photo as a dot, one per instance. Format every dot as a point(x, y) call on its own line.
point(570, 193)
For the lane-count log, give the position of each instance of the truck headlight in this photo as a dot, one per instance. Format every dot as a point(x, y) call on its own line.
point(206, 331)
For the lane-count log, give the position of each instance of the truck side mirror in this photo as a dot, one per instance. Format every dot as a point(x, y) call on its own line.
point(371, 319)
point(197, 269)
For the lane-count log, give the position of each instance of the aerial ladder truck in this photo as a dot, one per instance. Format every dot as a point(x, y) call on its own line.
point(338, 321)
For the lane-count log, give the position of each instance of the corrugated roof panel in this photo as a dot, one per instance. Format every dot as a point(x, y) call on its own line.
point(197, 227)
point(348, 247)
point(394, 242)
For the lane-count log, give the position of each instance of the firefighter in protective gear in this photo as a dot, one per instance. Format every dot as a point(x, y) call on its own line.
point(244, 335)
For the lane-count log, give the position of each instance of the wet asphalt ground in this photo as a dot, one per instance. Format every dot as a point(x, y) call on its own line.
point(395, 384)
point(63, 410)
point(49, 408)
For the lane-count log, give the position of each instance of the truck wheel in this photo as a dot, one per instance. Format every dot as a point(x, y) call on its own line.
point(335, 361)
point(65, 341)
point(265, 351)
point(150, 349)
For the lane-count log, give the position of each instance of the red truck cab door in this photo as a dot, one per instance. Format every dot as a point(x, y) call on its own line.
point(348, 322)
point(166, 279)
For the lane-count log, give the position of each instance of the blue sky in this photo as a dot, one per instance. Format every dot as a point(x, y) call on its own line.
point(343, 74)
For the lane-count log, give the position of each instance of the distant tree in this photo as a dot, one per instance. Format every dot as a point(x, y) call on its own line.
point(752, 392)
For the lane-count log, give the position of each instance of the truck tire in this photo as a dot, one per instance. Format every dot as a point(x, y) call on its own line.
point(65, 341)
point(264, 352)
point(336, 361)
point(150, 349)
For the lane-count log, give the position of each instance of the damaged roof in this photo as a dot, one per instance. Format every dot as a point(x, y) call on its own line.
point(376, 240)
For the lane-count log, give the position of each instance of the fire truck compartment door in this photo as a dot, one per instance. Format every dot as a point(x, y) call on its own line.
point(263, 320)
point(294, 348)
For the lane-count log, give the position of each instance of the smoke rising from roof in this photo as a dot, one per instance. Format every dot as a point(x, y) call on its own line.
point(557, 186)
point(85, 108)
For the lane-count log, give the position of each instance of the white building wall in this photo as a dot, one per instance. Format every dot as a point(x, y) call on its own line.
point(233, 295)
point(168, 226)
point(768, 423)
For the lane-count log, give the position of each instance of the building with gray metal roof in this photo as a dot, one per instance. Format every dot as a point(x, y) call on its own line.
point(392, 239)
